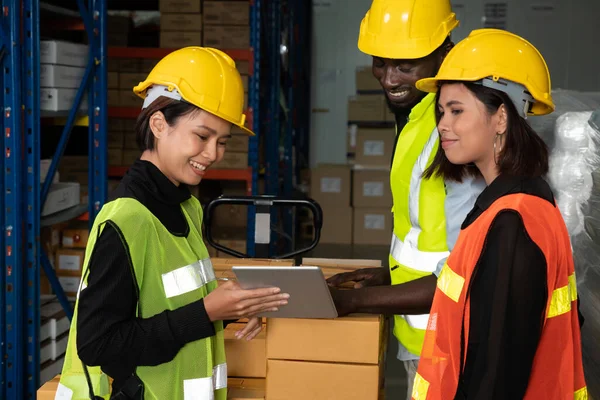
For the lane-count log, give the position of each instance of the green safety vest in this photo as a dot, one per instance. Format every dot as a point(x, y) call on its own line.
point(170, 272)
point(419, 239)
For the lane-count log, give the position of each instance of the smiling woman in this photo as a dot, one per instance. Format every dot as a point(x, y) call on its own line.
point(149, 312)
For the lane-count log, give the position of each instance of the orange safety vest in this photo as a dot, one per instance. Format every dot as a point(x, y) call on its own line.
point(557, 371)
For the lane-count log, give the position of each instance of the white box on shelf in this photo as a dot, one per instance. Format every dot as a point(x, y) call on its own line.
point(60, 99)
point(60, 76)
point(61, 196)
point(63, 53)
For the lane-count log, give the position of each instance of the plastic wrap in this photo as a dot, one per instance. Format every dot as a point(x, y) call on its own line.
point(574, 175)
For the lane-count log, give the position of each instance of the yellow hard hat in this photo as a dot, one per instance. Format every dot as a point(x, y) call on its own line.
point(405, 29)
point(497, 54)
point(202, 76)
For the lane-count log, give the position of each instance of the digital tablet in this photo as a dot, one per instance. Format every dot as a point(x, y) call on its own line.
point(308, 290)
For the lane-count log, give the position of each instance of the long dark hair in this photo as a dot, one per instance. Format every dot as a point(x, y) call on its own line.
point(524, 153)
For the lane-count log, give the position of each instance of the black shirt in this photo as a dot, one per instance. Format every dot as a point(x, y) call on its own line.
point(109, 334)
point(508, 296)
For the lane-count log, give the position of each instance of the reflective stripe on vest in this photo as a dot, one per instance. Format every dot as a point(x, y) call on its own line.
point(188, 278)
point(419, 238)
point(557, 371)
point(170, 272)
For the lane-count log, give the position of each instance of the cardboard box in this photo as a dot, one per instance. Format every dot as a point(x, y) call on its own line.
point(366, 108)
point(301, 380)
point(337, 224)
point(238, 142)
point(115, 140)
point(227, 37)
point(233, 160)
point(113, 97)
point(70, 284)
point(129, 99)
point(374, 146)
point(130, 156)
point(231, 216)
point(130, 140)
point(239, 245)
point(69, 262)
point(334, 266)
point(330, 184)
point(130, 65)
point(226, 12)
point(63, 53)
point(60, 99)
point(175, 40)
point(113, 80)
point(246, 389)
point(371, 189)
point(243, 67)
point(115, 157)
point(75, 238)
point(365, 81)
point(181, 22)
point(60, 76)
point(128, 80)
point(373, 226)
point(326, 340)
point(245, 358)
point(61, 196)
point(179, 6)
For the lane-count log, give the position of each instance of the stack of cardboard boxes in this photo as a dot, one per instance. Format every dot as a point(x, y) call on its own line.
point(122, 146)
point(53, 337)
point(180, 23)
point(61, 70)
point(123, 75)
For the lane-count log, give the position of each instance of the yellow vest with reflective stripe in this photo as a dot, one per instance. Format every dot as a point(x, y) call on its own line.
point(170, 272)
point(419, 239)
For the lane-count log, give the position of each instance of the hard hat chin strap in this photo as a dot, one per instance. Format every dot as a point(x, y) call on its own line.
point(518, 94)
point(156, 91)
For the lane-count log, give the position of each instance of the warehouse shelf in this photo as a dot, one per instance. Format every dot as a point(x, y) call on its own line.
point(64, 216)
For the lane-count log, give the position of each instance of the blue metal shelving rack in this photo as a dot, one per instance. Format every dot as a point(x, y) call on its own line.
point(22, 194)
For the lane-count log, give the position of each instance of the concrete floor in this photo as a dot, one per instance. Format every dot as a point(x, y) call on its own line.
point(395, 374)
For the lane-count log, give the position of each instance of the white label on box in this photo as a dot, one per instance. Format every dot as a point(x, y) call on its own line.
point(352, 131)
point(375, 222)
point(69, 284)
point(373, 189)
point(69, 262)
point(67, 241)
point(374, 148)
point(331, 185)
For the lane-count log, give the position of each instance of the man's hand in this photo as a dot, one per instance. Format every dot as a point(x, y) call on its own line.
point(343, 301)
point(251, 330)
point(363, 277)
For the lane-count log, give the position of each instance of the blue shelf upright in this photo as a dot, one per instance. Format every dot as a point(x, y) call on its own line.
point(255, 109)
point(12, 277)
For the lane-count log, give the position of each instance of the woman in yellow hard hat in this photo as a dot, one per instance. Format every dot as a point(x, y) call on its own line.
point(504, 321)
point(149, 312)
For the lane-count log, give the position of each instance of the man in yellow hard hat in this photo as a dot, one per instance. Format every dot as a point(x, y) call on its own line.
point(408, 40)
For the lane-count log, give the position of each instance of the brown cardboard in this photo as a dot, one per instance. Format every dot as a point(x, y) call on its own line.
point(341, 262)
point(245, 358)
point(301, 380)
point(130, 156)
point(330, 184)
point(337, 224)
point(174, 40)
point(129, 65)
point(326, 340)
point(146, 64)
point(75, 238)
point(245, 82)
point(374, 146)
point(129, 99)
point(243, 67)
point(116, 124)
point(181, 22)
point(231, 216)
point(45, 287)
point(239, 245)
point(180, 6)
point(113, 98)
point(226, 12)
point(366, 108)
point(113, 80)
point(115, 157)
point(246, 389)
point(237, 143)
point(128, 80)
point(69, 262)
point(372, 226)
point(371, 189)
point(129, 140)
point(227, 37)
point(115, 139)
point(233, 160)
point(365, 81)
